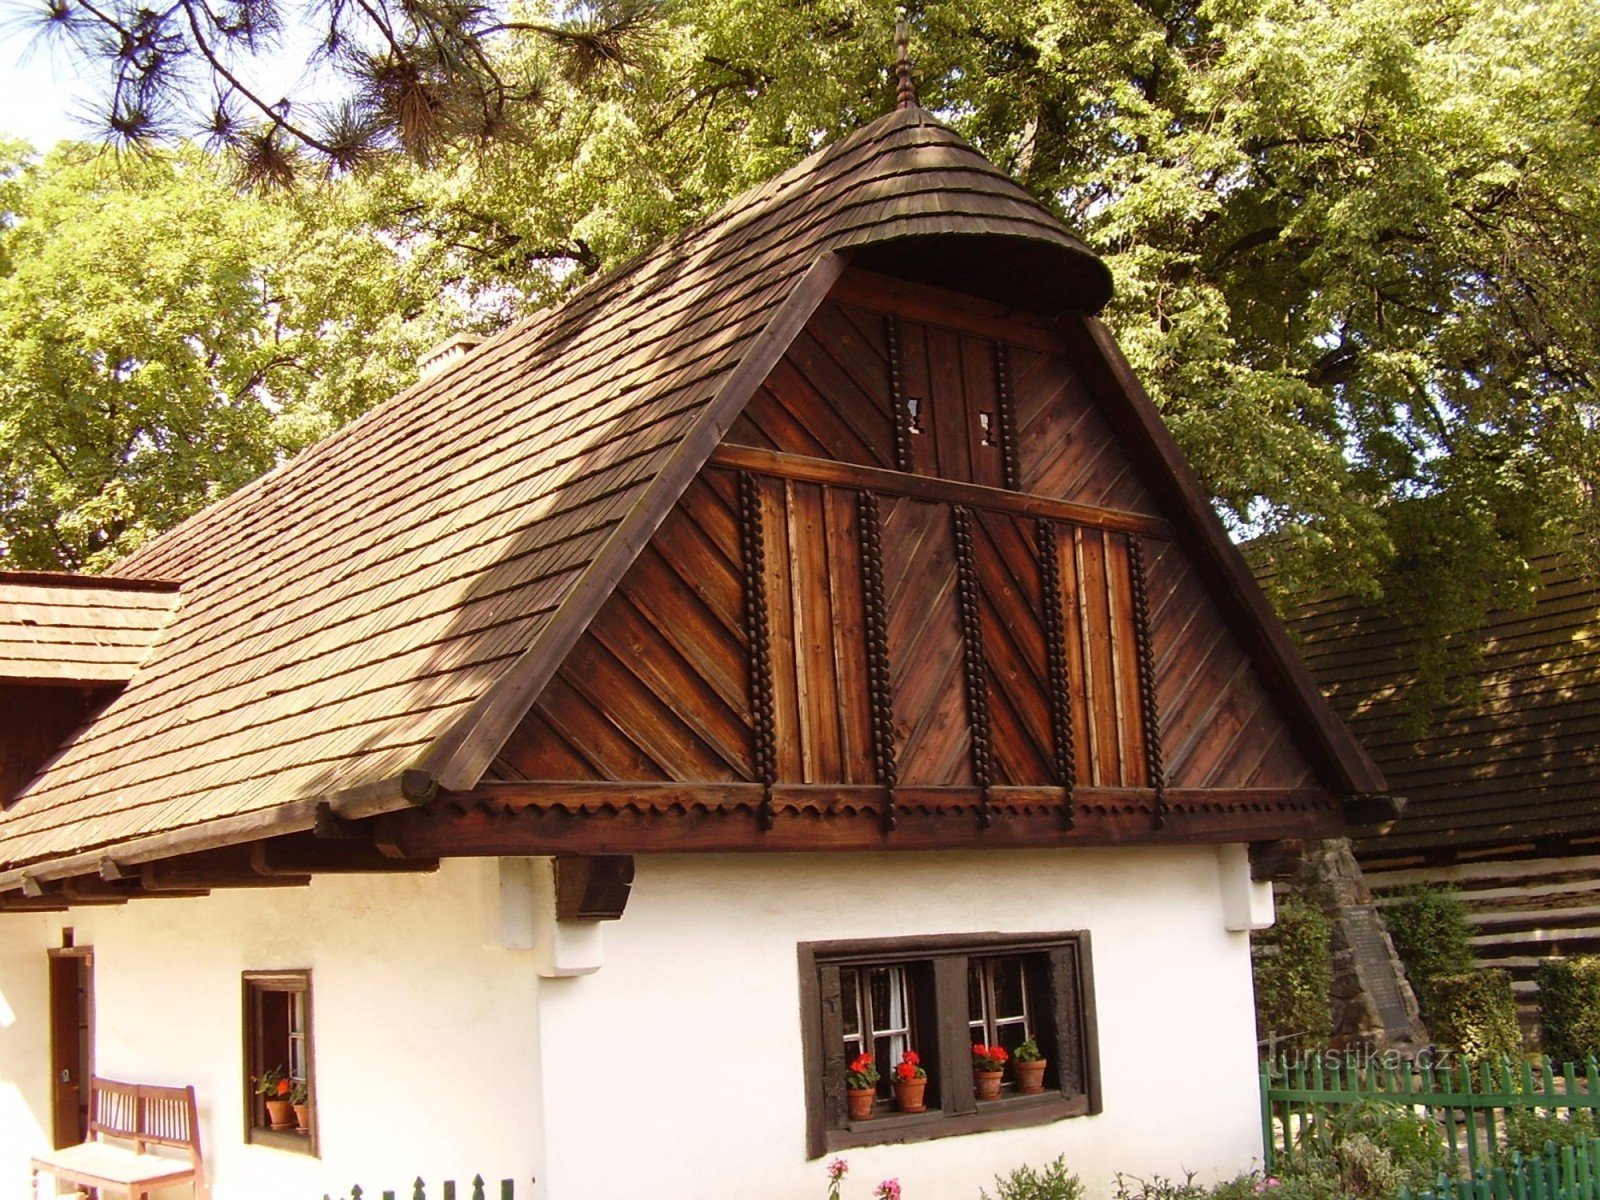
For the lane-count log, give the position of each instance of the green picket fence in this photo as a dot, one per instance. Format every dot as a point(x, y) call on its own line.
point(1470, 1100)
point(476, 1190)
point(1560, 1173)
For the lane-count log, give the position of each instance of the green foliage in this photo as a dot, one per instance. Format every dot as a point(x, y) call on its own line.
point(1294, 975)
point(1027, 1051)
point(1430, 932)
point(1569, 1008)
point(1474, 1014)
point(1529, 1131)
point(163, 341)
point(1373, 1149)
point(1053, 1182)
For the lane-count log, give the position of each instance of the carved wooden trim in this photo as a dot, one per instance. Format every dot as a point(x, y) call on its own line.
point(969, 603)
point(1055, 641)
point(1007, 416)
point(1149, 711)
point(876, 614)
point(758, 634)
point(904, 459)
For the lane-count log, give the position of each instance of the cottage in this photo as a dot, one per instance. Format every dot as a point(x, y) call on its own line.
point(805, 642)
point(1501, 783)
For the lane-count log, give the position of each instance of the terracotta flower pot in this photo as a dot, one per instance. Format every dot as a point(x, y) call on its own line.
point(987, 1084)
point(281, 1114)
point(302, 1117)
point(861, 1102)
point(908, 1094)
point(1030, 1076)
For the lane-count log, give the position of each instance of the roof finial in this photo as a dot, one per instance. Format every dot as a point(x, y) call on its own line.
point(905, 86)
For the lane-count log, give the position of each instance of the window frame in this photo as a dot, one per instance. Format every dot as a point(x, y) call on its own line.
point(253, 985)
point(1065, 1025)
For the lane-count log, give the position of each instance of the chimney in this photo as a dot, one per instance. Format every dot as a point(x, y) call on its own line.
point(436, 361)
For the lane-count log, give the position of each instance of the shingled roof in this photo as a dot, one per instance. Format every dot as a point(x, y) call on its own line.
point(371, 618)
point(58, 628)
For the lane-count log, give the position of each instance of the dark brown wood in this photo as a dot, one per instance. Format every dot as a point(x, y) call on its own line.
point(1006, 415)
point(955, 1040)
point(299, 855)
point(1064, 758)
point(34, 722)
point(1275, 862)
point(922, 487)
point(935, 306)
point(1149, 705)
point(592, 888)
point(535, 819)
point(976, 679)
point(758, 637)
point(71, 1043)
point(875, 631)
point(1096, 355)
point(460, 757)
point(904, 457)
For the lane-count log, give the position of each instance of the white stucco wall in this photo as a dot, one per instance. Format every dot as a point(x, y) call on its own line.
point(698, 1004)
point(675, 1070)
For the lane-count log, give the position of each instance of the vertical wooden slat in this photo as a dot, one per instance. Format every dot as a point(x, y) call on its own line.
point(1065, 757)
point(903, 456)
point(759, 639)
point(845, 591)
point(918, 395)
point(980, 407)
point(1148, 701)
point(976, 677)
point(955, 1046)
point(880, 684)
point(1006, 403)
point(816, 681)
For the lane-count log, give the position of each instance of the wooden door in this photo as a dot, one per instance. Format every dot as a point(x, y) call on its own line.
point(71, 1042)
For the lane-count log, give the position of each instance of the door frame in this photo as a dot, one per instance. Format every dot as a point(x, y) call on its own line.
point(82, 1056)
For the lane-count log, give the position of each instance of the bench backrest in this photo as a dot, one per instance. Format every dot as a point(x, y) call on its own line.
point(145, 1115)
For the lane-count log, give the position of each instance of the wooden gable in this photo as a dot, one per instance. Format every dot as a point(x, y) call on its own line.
point(920, 577)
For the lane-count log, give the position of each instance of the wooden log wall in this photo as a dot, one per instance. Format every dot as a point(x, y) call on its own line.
point(920, 561)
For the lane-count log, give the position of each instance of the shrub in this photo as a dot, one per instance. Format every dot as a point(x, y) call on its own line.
point(1569, 1008)
point(1475, 1014)
point(1052, 1183)
point(1294, 974)
point(1371, 1149)
point(1528, 1131)
point(1430, 931)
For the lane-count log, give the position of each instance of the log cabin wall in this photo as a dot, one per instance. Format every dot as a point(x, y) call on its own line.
point(921, 560)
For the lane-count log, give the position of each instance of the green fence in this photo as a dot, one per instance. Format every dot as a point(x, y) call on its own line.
point(476, 1190)
point(1560, 1173)
point(1470, 1101)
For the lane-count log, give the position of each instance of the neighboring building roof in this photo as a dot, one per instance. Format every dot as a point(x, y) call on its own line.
point(392, 598)
point(57, 628)
point(1518, 764)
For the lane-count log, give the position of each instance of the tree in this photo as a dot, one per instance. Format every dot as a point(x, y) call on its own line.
point(407, 75)
point(163, 341)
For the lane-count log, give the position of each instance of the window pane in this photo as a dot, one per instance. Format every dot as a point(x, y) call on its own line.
point(977, 1013)
point(850, 1003)
point(1006, 974)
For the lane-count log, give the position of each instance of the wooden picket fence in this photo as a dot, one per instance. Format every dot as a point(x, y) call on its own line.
point(447, 1191)
point(1560, 1173)
point(1470, 1101)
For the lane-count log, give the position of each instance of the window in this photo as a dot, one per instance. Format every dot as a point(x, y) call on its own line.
point(938, 996)
point(277, 1036)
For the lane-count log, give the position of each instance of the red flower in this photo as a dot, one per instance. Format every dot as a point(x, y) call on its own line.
point(912, 1057)
point(861, 1063)
point(906, 1070)
point(284, 1087)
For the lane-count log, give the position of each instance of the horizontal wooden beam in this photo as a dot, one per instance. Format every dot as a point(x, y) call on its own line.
point(940, 491)
point(301, 854)
point(605, 819)
point(593, 887)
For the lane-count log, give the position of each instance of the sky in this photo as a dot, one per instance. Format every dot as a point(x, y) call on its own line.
point(38, 92)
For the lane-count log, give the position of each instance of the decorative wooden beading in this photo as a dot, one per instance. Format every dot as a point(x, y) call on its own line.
point(1149, 714)
point(904, 459)
point(1055, 641)
point(758, 633)
point(973, 660)
point(1007, 416)
point(876, 619)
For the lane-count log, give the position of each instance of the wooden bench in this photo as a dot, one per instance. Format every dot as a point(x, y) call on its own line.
point(144, 1116)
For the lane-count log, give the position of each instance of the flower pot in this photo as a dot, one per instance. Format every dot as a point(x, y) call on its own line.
point(987, 1084)
point(861, 1102)
point(1030, 1076)
point(302, 1117)
point(908, 1094)
point(281, 1114)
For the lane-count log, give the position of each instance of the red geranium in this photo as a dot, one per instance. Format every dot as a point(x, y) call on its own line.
point(863, 1073)
point(988, 1058)
point(284, 1087)
point(909, 1067)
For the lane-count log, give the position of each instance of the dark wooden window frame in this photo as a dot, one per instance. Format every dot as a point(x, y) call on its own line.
point(255, 983)
point(1066, 1027)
